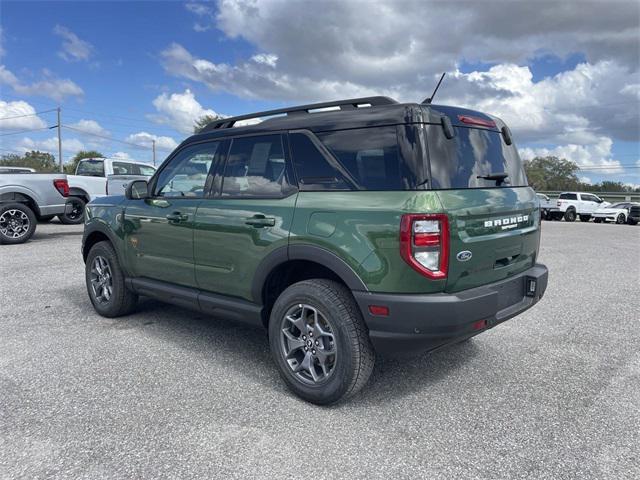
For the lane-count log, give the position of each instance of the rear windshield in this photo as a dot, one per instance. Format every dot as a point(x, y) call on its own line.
point(91, 168)
point(568, 196)
point(473, 153)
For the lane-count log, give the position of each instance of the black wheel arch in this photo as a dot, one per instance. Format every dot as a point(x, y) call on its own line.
point(98, 232)
point(80, 193)
point(19, 197)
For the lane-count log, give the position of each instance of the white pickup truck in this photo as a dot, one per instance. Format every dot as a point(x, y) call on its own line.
point(578, 204)
point(90, 181)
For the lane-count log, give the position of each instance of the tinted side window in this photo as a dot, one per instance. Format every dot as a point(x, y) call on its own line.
point(255, 167)
point(187, 174)
point(312, 168)
point(91, 168)
point(568, 196)
point(126, 168)
point(371, 156)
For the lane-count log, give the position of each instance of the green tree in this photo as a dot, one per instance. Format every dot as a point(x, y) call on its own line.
point(70, 167)
point(40, 161)
point(552, 173)
point(204, 121)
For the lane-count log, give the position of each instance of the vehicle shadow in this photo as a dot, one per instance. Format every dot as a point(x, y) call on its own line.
point(244, 350)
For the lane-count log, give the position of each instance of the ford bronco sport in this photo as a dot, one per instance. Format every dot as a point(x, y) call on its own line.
point(344, 228)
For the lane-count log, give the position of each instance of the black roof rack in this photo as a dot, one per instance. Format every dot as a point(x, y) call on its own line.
point(349, 104)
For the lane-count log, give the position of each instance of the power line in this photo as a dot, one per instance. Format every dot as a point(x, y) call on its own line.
point(105, 137)
point(25, 131)
point(28, 114)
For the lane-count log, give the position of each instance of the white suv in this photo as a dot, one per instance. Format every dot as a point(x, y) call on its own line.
point(578, 204)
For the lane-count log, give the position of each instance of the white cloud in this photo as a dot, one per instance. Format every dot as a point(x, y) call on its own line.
point(145, 139)
point(15, 109)
point(90, 127)
point(50, 86)
point(69, 145)
point(179, 110)
point(121, 156)
point(73, 48)
point(586, 180)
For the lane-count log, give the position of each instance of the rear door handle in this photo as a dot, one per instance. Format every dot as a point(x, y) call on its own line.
point(177, 217)
point(259, 221)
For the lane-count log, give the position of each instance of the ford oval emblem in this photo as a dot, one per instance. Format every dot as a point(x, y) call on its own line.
point(464, 255)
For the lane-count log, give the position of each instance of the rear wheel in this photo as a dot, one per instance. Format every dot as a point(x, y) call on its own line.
point(631, 221)
point(620, 219)
point(320, 342)
point(585, 218)
point(76, 215)
point(105, 282)
point(570, 215)
point(17, 223)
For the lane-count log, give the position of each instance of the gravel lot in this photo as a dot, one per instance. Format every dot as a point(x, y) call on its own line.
point(168, 393)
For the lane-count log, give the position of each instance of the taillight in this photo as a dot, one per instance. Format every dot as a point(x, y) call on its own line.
point(424, 243)
point(62, 186)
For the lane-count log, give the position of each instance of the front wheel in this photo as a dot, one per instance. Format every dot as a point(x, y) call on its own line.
point(319, 341)
point(76, 215)
point(105, 282)
point(620, 219)
point(597, 220)
point(585, 218)
point(17, 223)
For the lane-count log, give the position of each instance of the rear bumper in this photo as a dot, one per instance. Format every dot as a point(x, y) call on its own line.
point(425, 322)
point(55, 209)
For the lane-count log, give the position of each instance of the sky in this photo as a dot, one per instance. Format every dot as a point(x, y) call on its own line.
point(565, 75)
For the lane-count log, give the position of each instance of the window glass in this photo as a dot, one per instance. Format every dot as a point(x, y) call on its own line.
point(312, 168)
point(568, 196)
point(371, 157)
point(255, 167)
point(91, 168)
point(127, 168)
point(473, 152)
point(186, 174)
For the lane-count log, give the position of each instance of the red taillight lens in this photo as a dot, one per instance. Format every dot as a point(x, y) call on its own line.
point(481, 122)
point(424, 243)
point(379, 310)
point(62, 186)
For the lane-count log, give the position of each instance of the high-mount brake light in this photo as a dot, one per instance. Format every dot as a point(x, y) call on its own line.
point(62, 186)
point(424, 243)
point(481, 122)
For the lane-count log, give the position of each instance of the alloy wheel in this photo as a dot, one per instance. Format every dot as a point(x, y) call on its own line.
point(77, 210)
point(14, 223)
point(308, 344)
point(101, 279)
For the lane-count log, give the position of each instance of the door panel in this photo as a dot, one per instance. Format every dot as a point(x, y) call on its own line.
point(159, 238)
point(233, 236)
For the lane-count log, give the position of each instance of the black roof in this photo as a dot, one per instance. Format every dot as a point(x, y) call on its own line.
point(337, 115)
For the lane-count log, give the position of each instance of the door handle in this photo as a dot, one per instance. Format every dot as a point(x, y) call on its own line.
point(259, 221)
point(177, 217)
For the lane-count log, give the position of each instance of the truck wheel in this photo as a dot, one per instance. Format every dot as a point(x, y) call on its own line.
point(620, 219)
point(585, 218)
point(597, 220)
point(631, 221)
point(17, 223)
point(320, 342)
point(105, 282)
point(45, 218)
point(570, 215)
point(76, 215)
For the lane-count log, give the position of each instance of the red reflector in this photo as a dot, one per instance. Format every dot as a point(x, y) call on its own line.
point(476, 121)
point(479, 325)
point(426, 239)
point(379, 310)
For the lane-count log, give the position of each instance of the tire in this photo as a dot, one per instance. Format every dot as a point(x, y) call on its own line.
point(76, 216)
point(113, 299)
point(340, 329)
point(45, 218)
point(597, 220)
point(570, 215)
point(585, 218)
point(631, 221)
point(17, 223)
point(620, 219)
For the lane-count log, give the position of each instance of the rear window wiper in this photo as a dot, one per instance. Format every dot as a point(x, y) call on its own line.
point(499, 177)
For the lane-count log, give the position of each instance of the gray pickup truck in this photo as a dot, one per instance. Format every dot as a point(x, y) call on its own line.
point(26, 198)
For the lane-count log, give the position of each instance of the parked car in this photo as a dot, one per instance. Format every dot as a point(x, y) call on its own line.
point(90, 181)
point(618, 212)
point(548, 208)
point(374, 227)
point(6, 169)
point(578, 204)
point(25, 199)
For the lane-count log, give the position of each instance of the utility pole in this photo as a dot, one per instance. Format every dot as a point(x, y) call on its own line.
point(60, 142)
point(153, 145)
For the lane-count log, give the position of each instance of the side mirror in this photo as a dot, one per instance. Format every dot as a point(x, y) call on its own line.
point(137, 190)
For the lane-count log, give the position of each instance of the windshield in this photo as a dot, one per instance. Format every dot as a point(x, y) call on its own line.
point(473, 154)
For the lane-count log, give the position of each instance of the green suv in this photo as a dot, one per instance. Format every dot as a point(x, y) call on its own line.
point(343, 228)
